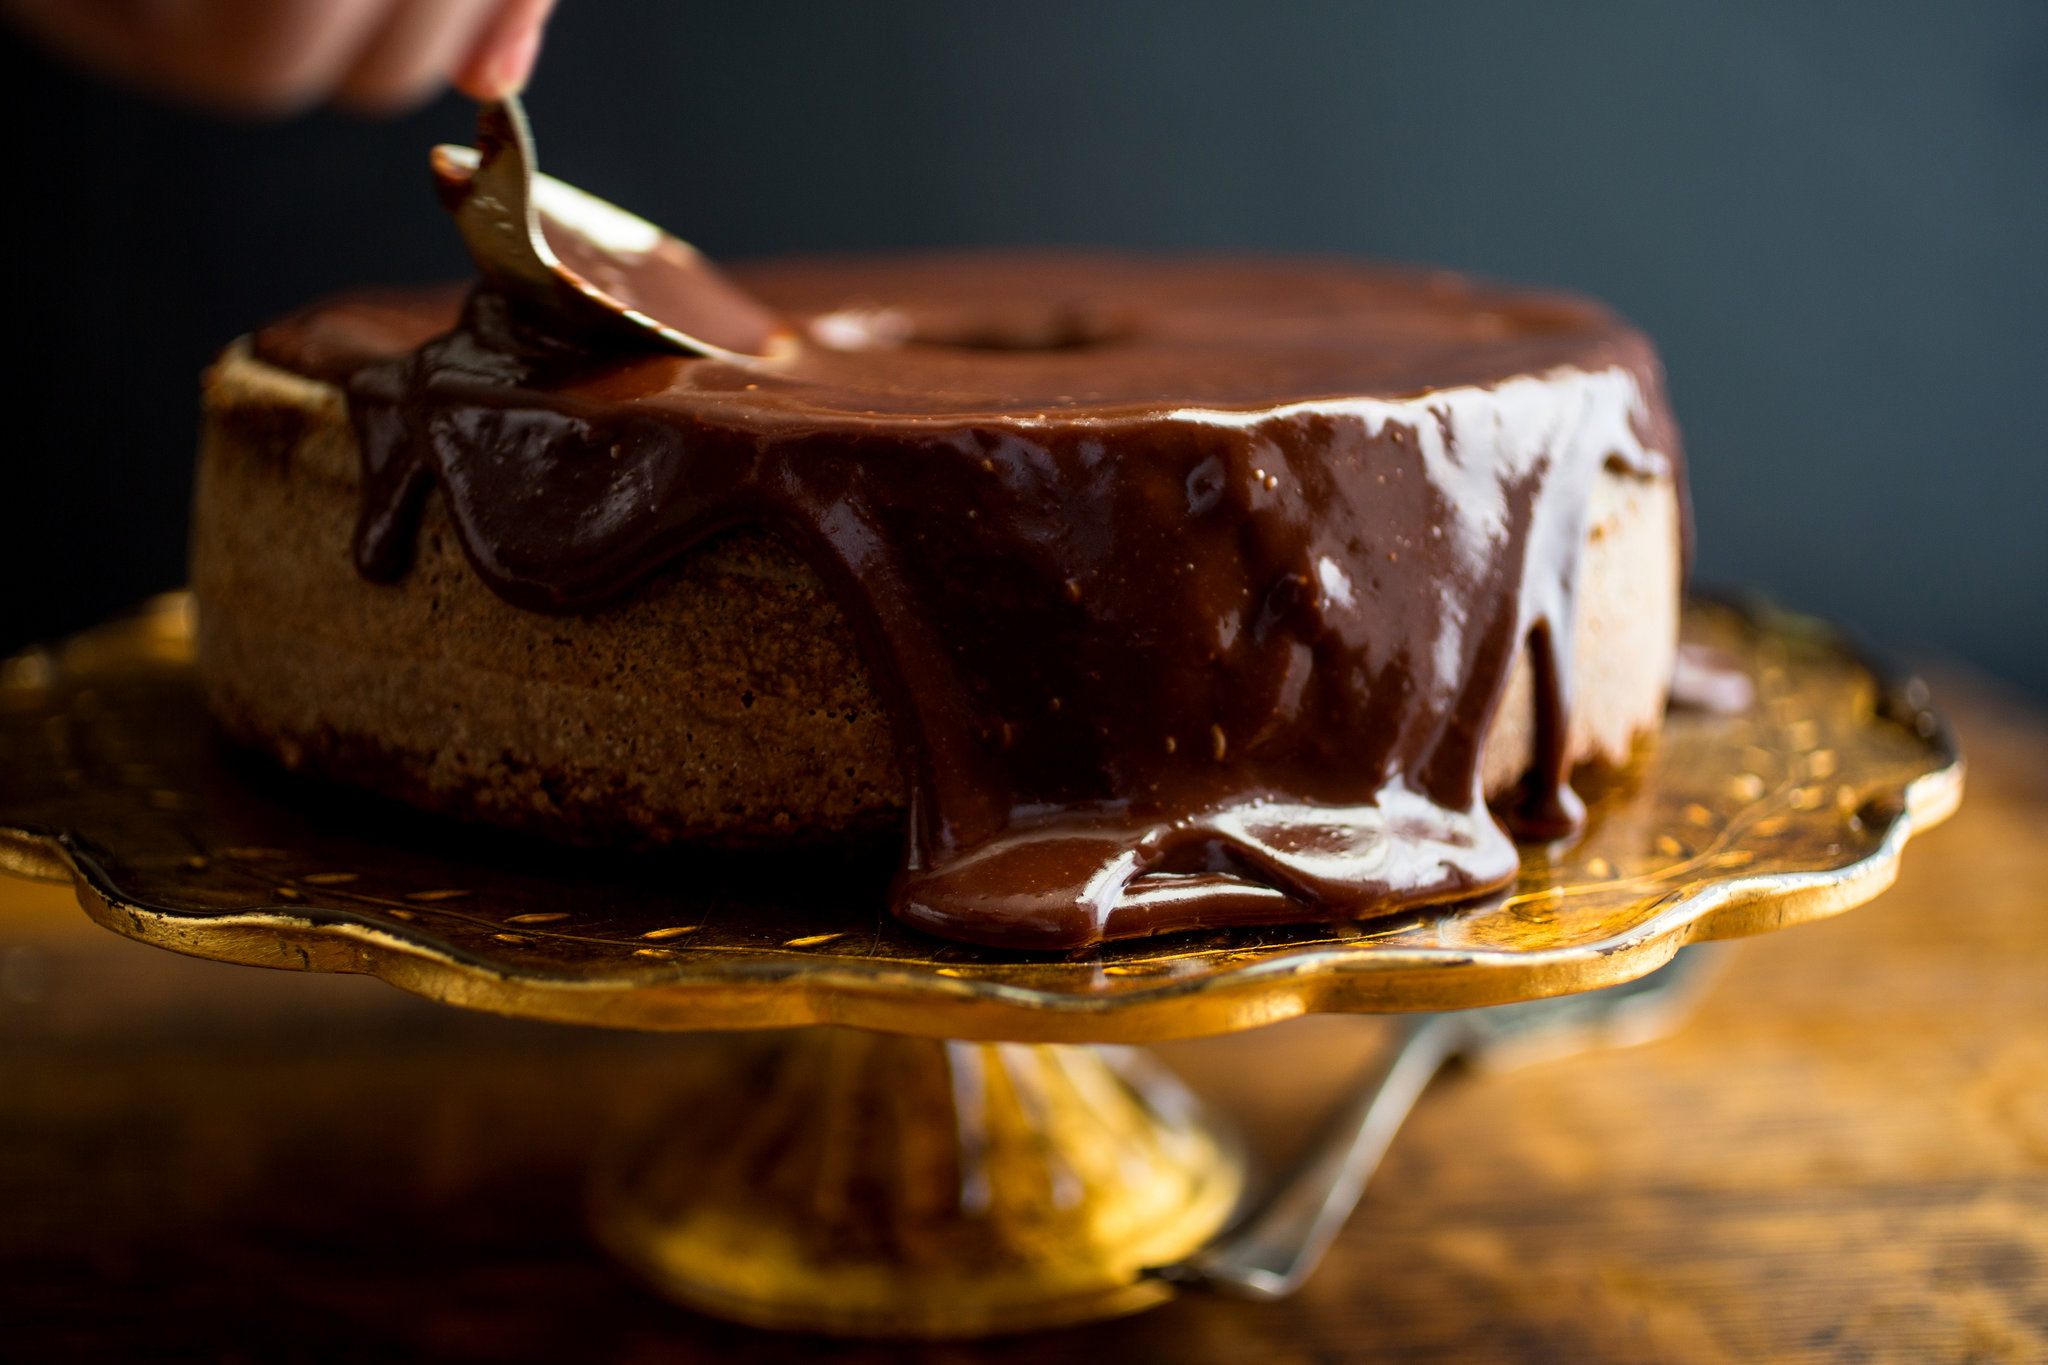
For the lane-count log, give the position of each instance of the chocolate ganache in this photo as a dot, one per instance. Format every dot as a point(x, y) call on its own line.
point(1192, 585)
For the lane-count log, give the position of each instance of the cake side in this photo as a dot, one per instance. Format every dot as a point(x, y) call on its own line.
point(723, 699)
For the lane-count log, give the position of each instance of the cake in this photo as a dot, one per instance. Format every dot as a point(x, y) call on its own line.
point(1139, 594)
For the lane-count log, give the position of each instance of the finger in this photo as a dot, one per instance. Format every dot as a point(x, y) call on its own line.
point(291, 53)
point(415, 52)
point(504, 55)
point(254, 55)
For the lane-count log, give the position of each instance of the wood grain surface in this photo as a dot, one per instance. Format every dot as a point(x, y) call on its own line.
point(1843, 1158)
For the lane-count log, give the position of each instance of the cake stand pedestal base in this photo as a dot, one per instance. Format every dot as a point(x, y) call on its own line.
point(853, 1183)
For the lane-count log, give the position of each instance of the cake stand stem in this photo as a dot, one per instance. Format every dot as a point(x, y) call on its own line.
point(866, 1184)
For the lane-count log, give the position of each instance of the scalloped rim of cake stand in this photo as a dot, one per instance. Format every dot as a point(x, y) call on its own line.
point(774, 990)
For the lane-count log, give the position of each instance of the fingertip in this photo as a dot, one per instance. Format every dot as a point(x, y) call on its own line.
point(503, 61)
point(503, 69)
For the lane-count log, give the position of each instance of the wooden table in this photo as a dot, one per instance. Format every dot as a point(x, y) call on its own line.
point(1843, 1158)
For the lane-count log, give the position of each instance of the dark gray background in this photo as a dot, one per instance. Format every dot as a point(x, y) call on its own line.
point(1830, 216)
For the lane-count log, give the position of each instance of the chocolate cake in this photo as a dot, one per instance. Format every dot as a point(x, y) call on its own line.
point(1140, 594)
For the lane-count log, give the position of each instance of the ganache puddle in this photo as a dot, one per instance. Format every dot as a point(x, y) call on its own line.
point(1197, 661)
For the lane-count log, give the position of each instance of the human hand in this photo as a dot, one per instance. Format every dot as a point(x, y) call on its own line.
point(275, 56)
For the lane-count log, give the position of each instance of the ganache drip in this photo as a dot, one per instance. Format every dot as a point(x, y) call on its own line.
point(1198, 620)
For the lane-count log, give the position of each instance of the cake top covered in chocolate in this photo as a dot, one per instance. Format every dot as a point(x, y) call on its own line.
point(1064, 334)
point(1193, 585)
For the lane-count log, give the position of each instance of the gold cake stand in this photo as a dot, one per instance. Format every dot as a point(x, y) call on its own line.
point(952, 1163)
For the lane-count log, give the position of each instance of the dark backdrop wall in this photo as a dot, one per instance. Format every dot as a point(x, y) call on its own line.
point(1832, 216)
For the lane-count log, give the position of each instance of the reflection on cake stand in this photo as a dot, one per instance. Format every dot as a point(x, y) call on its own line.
point(967, 1157)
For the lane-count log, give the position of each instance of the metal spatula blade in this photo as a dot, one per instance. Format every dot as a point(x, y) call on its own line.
point(578, 257)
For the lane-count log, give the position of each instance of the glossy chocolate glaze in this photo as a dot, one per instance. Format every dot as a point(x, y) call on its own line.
point(1193, 585)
